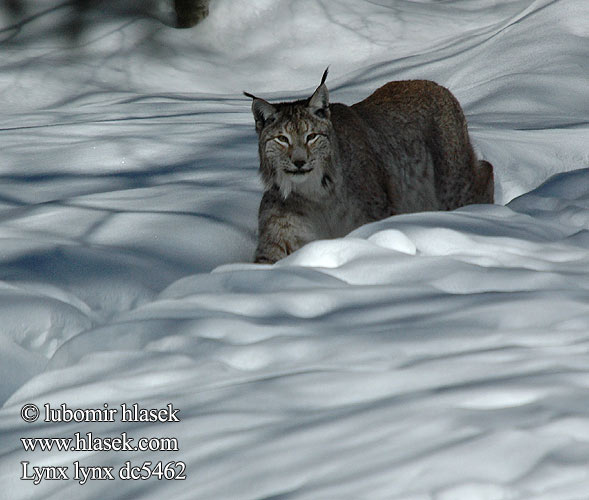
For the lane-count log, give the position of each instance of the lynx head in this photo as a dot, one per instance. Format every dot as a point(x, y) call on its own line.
point(295, 143)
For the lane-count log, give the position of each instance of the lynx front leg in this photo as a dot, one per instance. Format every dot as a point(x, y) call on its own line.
point(283, 229)
point(280, 236)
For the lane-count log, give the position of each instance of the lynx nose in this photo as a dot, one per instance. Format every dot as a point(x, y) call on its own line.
point(299, 163)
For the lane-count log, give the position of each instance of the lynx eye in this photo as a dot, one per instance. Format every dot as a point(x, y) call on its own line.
point(311, 138)
point(283, 140)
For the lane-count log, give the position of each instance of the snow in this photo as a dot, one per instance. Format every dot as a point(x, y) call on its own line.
point(427, 356)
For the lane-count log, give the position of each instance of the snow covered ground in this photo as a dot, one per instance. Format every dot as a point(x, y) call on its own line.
point(429, 356)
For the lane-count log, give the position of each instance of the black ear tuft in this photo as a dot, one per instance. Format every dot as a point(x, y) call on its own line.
point(247, 94)
point(324, 77)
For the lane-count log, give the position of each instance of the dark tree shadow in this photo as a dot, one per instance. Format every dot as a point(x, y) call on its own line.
point(190, 12)
point(81, 14)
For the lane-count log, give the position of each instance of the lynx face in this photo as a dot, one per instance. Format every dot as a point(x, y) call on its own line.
point(297, 152)
point(295, 145)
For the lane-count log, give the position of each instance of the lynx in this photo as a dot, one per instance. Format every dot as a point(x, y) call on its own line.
point(329, 168)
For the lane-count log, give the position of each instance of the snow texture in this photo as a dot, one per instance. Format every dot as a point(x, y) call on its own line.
point(427, 356)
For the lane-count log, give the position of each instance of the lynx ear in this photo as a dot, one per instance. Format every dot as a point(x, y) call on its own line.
point(319, 101)
point(262, 110)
